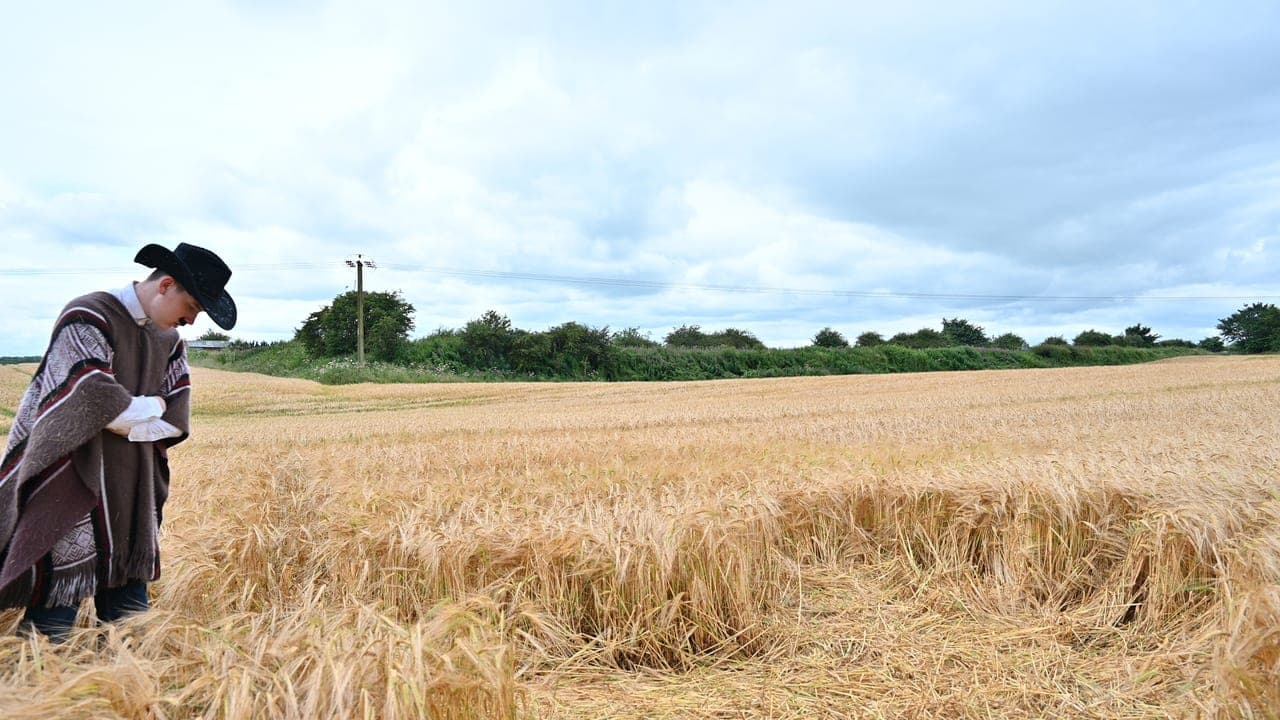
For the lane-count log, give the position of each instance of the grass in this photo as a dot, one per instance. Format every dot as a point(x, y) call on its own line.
point(288, 359)
point(1082, 542)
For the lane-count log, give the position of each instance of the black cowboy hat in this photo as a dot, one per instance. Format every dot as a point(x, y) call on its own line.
point(200, 272)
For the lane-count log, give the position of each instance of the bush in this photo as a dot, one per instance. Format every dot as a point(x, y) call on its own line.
point(1138, 336)
point(441, 350)
point(920, 339)
point(1061, 354)
point(632, 337)
point(566, 352)
point(1093, 338)
point(735, 338)
point(1009, 341)
point(487, 341)
point(965, 333)
point(829, 338)
point(870, 339)
point(1212, 344)
point(578, 351)
point(686, 336)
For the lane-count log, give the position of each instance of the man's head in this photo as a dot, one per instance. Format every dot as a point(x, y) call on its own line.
point(187, 281)
point(167, 303)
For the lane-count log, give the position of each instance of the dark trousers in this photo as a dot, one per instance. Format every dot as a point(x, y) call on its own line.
point(111, 605)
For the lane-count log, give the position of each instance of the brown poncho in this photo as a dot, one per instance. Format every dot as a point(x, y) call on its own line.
point(79, 505)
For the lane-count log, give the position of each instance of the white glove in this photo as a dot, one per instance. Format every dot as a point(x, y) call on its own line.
point(152, 430)
point(142, 409)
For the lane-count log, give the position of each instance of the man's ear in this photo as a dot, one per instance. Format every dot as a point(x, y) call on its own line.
point(166, 282)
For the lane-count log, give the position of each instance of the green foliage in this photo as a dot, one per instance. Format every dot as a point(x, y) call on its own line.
point(579, 351)
point(331, 331)
point(632, 337)
point(214, 335)
point(1055, 353)
point(692, 336)
point(1252, 329)
point(1212, 344)
point(384, 340)
point(829, 338)
point(687, 336)
point(287, 358)
point(491, 348)
point(714, 363)
point(346, 371)
point(487, 342)
point(1055, 340)
point(735, 338)
point(568, 350)
point(870, 339)
point(1138, 336)
point(530, 352)
point(440, 351)
point(1093, 338)
point(962, 332)
point(290, 359)
point(1009, 341)
point(921, 339)
point(1176, 342)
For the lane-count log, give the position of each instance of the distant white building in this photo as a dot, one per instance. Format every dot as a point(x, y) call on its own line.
point(212, 345)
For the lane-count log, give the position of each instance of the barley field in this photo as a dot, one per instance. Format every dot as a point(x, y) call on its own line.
point(1074, 543)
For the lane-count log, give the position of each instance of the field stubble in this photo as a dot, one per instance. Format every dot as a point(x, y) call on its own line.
point(1085, 542)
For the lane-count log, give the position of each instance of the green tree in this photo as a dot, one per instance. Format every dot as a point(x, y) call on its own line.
point(735, 338)
point(1253, 329)
point(830, 338)
point(487, 341)
point(1212, 344)
point(687, 336)
point(529, 353)
point(870, 339)
point(962, 332)
point(331, 330)
point(632, 337)
point(385, 340)
point(1093, 338)
point(578, 350)
point(1139, 336)
point(921, 339)
point(1055, 340)
point(214, 335)
point(1009, 341)
point(441, 349)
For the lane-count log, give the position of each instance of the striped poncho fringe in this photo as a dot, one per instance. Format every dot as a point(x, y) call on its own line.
point(80, 506)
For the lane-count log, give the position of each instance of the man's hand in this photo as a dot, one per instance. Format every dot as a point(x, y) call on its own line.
point(140, 412)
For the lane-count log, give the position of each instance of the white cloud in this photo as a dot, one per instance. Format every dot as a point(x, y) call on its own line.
point(996, 148)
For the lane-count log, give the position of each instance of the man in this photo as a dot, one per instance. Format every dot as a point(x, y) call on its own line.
point(85, 473)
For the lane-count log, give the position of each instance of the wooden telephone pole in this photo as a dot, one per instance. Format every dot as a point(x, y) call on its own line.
point(360, 263)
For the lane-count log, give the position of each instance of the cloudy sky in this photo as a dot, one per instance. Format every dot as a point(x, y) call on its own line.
point(1035, 167)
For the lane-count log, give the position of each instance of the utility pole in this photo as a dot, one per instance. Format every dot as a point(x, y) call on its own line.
point(360, 263)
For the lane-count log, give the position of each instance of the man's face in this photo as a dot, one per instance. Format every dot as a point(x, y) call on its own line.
point(174, 306)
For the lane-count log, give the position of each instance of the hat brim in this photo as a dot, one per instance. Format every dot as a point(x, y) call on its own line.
point(220, 308)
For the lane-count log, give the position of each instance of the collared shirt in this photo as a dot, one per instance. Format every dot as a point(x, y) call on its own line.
point(128, 296)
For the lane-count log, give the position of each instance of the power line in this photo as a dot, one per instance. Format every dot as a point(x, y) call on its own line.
point(670, 285)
